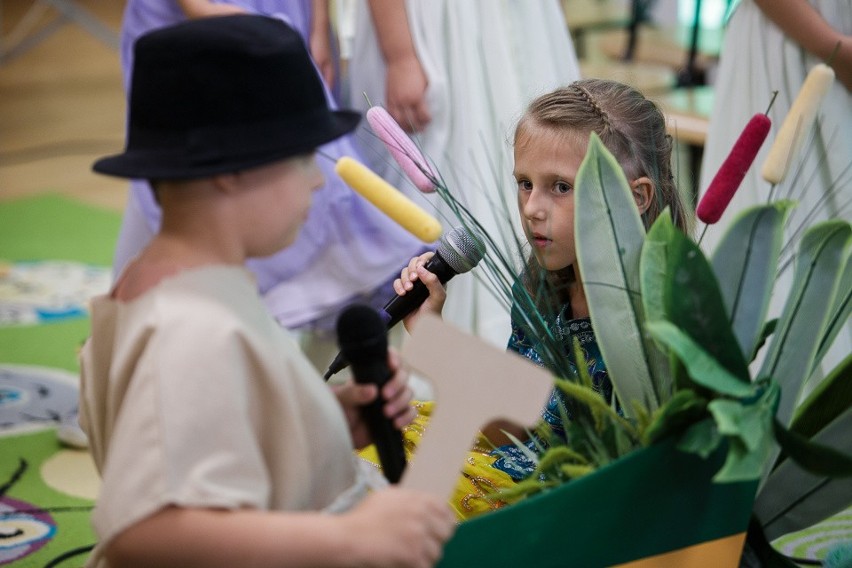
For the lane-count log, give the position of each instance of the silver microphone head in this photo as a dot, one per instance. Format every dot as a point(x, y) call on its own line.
point(460, 249)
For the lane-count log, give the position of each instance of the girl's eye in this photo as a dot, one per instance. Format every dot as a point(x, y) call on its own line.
point(524, 185)
point(562, 187)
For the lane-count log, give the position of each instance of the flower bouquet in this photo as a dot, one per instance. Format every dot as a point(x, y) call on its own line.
point(714, 444)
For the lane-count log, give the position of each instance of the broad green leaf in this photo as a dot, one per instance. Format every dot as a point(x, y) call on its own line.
point(793, 499)
point(839, 313)
point(702, 438)
point(748, 428)
point(804, 317)
point(609, 237)
point(811, 456)
point(827, 401)
point(743, 463)
point(653, 266)
point(702, 367)
point(745, 263)
point(694, 304)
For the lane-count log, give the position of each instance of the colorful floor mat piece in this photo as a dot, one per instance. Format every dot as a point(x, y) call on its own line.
point(55, 254)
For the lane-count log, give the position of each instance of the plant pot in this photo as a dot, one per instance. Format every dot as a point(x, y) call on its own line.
point(655, 507)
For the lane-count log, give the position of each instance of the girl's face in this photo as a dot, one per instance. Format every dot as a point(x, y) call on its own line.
point(278, 199)
point(546, 163)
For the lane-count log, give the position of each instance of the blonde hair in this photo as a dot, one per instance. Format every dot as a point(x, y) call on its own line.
point(631, 127)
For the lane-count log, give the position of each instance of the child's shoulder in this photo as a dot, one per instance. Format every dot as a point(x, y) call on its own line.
point(213, 295)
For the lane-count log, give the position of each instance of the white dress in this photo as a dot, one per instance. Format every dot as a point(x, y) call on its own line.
point(485, 61)
point(757, 58)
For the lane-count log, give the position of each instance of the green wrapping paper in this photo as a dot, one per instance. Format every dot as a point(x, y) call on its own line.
point(653, 501)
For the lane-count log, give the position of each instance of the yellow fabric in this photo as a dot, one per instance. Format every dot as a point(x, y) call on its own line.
point(719, 553)
point(477, 480)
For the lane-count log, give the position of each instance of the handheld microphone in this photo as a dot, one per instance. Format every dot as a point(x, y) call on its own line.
point(458, 251)
point(362, 336)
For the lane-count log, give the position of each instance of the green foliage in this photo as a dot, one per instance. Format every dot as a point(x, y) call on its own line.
point(821, 260)
point(609, 235)
point(678, 332)
point(745, 262)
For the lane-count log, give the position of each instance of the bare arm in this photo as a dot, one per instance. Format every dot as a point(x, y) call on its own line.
point(406, 81)
point(204, 8)
point(319, 40)
point(804, 25)
point(392, 527)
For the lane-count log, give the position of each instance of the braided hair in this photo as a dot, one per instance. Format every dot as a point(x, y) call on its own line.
point(631, 127)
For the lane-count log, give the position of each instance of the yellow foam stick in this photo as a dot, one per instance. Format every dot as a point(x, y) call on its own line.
point(797, 123)
point(389, 200)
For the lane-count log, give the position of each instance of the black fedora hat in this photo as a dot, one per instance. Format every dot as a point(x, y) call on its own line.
point(219, 95)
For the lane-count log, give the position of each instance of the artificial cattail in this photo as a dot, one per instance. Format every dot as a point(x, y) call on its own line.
point(401, 147)
point(727, 180)
point(797, 123)
point(389, 200)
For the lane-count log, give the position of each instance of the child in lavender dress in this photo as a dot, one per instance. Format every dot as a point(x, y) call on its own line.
point(347, 249)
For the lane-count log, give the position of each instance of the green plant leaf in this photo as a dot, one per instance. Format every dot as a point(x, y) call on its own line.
point(748, 428)
point(793, 499)
point(826, 402)
point(694, 304)
point(803, 319)
point(838, 314)
point(653, 265)
point(745, 263)
point(609, 236)
point(681, 410)
point(702, 438)
point(702, 367)
point(813, 457)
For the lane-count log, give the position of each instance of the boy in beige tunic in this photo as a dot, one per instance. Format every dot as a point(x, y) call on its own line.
point(217, 441)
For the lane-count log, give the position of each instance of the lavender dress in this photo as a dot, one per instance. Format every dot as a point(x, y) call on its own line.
point(347, 250)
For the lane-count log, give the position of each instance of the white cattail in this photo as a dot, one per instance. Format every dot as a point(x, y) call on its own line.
point(797, 123)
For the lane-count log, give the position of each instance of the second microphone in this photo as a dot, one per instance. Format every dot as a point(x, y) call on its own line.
point(458, 251)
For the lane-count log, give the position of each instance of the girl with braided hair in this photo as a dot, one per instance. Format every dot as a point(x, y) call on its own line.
point(550, 143)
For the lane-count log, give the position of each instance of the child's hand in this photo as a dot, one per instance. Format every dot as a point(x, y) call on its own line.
point(399, 527)
point(406, 94)
point(396, 392)
point(410, 274)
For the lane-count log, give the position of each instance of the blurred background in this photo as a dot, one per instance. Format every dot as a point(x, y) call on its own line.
point(62, 104)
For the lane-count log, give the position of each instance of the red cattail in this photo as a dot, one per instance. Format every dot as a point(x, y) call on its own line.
point(727, 180)
point(401, 147)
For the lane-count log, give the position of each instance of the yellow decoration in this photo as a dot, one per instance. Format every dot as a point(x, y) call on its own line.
point(797, 123)
point(389, 200)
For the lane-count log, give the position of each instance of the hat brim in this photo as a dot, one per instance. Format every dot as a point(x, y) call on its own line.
point(182, 163)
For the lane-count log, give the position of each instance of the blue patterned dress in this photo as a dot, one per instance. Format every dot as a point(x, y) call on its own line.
point(511, 459)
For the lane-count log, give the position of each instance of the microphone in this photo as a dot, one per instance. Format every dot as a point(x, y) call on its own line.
point(458, 251)
point(362, 336)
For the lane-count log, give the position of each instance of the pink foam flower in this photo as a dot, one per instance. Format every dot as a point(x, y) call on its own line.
point(727, 180)
point(402, 148)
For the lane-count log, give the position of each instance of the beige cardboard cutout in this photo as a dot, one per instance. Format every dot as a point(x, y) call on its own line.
point(475, 383)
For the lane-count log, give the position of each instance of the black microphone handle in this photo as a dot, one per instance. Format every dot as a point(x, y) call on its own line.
point(400, 306)
point(386, 437)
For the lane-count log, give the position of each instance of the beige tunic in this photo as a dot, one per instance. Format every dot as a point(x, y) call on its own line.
point(193, 396)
